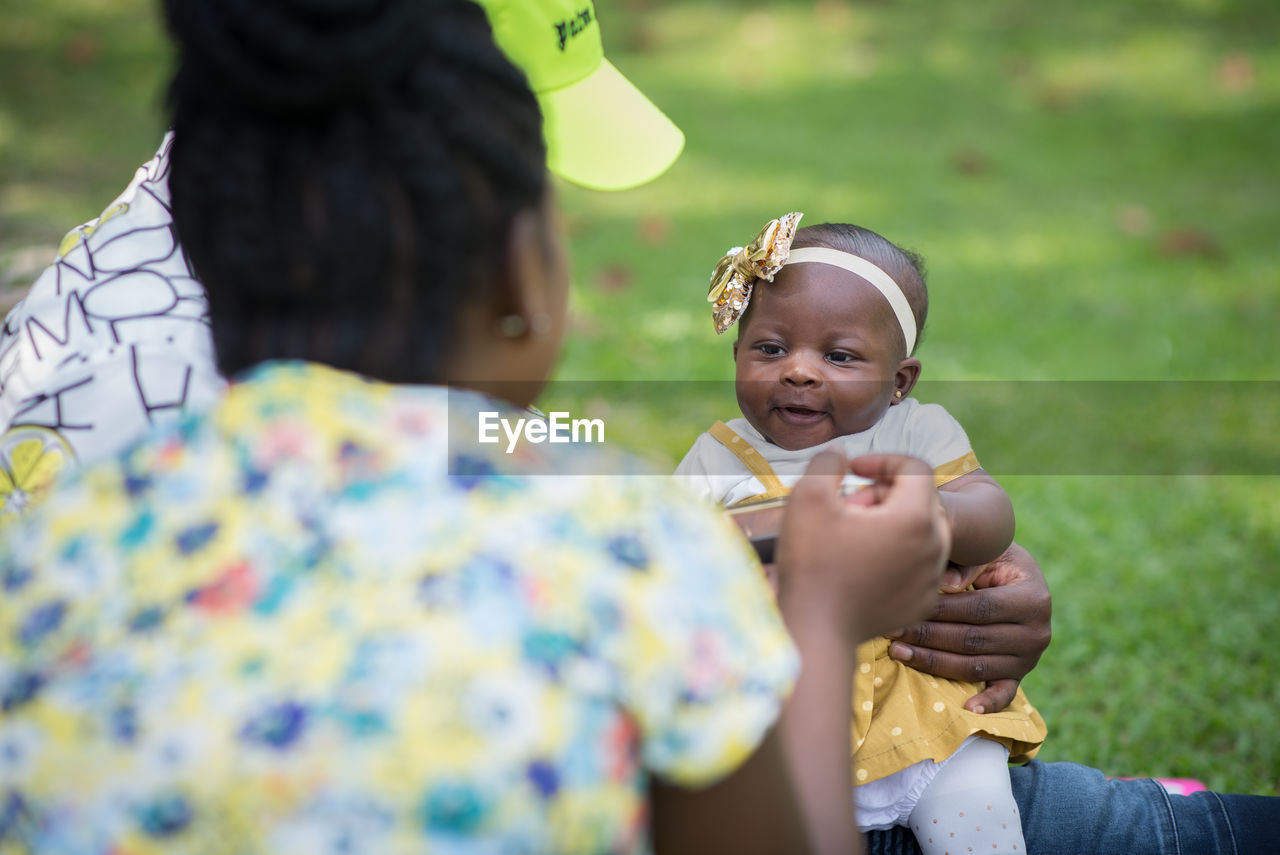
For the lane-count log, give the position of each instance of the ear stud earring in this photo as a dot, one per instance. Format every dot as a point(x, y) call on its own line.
point(514, 326)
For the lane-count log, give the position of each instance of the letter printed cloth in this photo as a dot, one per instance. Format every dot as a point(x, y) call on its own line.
point(111, 339)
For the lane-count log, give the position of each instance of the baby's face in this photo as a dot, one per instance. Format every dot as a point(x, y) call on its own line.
point(817, 356)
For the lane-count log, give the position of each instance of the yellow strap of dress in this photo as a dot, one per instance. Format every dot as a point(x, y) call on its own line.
point(774, 489)
point(756, 465)
point(954, 469)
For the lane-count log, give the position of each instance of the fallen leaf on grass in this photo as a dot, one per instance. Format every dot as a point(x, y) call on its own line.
point(1057, 97)
point(1190, 242)
point(969, 161)
point(613, 278)
point(1134, 220)
point(83, 49)
point(1236, 73)
point(654, 231)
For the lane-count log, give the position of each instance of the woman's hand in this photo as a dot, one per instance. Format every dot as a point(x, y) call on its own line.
point(994, 634)
point(870, 561)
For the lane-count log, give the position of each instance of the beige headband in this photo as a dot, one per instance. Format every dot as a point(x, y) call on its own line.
point(859, 266)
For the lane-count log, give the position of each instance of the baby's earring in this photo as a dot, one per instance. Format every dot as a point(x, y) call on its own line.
point(897, 394)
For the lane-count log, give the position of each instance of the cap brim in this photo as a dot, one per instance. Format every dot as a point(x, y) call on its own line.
point(603, 133)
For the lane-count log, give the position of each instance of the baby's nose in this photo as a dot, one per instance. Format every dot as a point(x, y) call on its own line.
point(802, 369)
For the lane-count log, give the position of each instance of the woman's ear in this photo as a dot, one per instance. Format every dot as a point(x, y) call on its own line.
point(904, 379)
point(506, 343)
point(522, 301)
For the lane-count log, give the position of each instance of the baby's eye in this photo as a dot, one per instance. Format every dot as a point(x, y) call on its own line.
point(841, 358)
point(770, 349)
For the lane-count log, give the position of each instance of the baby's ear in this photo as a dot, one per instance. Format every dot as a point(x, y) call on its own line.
point(904, 379)
point(735, 349)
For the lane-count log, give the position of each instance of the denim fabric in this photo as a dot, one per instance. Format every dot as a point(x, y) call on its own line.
point(1068, 809)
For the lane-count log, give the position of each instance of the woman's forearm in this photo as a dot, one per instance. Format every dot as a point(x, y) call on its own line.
point(815, 732)
point(848, 569)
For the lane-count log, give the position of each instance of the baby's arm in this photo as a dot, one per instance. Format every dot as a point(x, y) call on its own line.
point(981, 517)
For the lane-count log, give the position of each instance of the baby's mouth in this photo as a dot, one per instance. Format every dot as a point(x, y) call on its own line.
point(800, 415)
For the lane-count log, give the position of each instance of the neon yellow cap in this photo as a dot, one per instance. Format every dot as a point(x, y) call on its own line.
point(601, 131)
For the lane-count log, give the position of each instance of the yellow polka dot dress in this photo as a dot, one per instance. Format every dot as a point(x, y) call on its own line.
point(913, 716)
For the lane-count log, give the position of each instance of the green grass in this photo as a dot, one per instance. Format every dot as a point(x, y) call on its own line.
point(1164, 656)
point(1095, 186)
point(79, 110)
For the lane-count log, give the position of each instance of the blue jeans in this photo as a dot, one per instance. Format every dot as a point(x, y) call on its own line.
point(1072, 809)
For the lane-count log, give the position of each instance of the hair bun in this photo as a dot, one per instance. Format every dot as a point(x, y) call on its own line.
point(295, 55)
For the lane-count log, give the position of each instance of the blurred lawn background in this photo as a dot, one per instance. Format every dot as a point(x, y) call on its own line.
point(1096, 188)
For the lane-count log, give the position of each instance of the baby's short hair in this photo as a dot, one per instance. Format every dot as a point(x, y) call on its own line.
point(906, 267)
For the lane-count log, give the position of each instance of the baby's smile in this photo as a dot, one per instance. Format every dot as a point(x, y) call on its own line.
point(797, 415)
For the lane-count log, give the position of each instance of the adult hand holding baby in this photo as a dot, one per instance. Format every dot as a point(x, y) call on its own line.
point(994, 633)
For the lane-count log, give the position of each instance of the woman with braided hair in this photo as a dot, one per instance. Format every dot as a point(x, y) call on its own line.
point(312, 619)
point(324, 160)
point(304, 620)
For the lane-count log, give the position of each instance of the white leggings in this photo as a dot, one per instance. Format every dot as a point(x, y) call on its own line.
point(969, 806)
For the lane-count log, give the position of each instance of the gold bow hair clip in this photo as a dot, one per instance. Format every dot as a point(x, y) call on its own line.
point(740, 267)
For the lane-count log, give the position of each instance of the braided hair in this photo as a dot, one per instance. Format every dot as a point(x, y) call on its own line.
point(906, 267)
point(344, 174)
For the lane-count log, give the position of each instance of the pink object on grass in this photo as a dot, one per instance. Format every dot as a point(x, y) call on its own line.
point(1181, 786)
point(1176, 786)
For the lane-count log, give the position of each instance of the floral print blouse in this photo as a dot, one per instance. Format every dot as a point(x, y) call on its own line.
point(307, 622)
